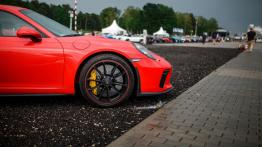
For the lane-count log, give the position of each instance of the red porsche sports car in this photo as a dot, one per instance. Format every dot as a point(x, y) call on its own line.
point(41, 56)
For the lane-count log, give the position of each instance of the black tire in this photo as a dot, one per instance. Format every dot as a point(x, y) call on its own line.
point(114, 80)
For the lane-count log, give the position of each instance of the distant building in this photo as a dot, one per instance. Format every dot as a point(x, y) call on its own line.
point(222, 33)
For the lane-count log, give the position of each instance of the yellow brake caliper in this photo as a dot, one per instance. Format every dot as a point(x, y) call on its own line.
point(92, 84)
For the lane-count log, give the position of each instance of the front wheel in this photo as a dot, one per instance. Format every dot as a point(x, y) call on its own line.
point(106, 80)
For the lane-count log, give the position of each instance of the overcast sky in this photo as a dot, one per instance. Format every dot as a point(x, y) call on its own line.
point(234, 15)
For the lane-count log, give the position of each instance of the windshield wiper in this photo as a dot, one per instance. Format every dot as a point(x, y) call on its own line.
point(71, 35)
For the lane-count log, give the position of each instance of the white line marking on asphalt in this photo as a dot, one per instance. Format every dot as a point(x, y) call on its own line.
point(158, 105)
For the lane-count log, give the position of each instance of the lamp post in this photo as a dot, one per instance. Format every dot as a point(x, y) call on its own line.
point(75, 14)
point(196, 26)
point(71, 15)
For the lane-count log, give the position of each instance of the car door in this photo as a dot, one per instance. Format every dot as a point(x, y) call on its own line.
point(27, 66)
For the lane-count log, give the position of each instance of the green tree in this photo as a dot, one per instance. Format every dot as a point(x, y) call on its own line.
point(56, 12)
point(212, 25)
point(132, 20)
point(60, 13)
point(89, 22)
point(157, 15)
point(201, 25)
point(108, 15)
point(180, 20)
point(81, 20)
point(189, 23)
point(95, 23)
point(206, 25)
point(151, 17)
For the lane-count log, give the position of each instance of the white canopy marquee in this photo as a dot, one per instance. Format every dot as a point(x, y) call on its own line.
point(114, 29)
point(258, 29)
point(161, 32)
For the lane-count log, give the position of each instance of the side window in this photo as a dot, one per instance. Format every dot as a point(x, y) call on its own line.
point(10, 23)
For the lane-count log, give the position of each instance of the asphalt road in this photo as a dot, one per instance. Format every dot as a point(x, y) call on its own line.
point(69, 120)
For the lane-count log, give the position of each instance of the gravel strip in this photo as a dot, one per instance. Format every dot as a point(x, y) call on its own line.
point(69, 120)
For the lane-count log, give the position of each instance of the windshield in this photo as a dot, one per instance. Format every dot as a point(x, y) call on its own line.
point(49, 24)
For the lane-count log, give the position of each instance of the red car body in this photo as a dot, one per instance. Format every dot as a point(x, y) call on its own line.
point(167, 40)
point(52, 65)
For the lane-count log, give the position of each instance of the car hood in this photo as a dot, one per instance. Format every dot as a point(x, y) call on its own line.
point(84, 42)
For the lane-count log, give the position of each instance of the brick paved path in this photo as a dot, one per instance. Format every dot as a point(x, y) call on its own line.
point(223, 109)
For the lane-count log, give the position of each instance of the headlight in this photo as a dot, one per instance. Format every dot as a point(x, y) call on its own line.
point(144, 50)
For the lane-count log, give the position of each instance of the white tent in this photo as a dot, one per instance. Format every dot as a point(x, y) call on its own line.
point(222, 30)
point(114, 29)
point(161, 32)
point(258, 29)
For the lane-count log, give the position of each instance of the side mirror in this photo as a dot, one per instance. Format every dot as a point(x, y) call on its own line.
point(27, 32)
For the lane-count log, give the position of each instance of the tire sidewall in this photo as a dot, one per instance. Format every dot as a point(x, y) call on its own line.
point(91, 98)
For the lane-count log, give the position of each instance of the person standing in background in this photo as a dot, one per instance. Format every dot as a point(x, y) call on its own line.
point(214, 38)
point(204, 37)
point(93, 33)
point(251, 36)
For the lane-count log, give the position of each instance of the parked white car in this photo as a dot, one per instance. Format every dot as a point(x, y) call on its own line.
point(137, 39)
point(237, 38)
point(259, 40)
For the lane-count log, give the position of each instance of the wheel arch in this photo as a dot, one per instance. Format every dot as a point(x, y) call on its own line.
point(134, 70)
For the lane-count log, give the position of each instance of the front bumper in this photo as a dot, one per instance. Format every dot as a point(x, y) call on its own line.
point(153, 76)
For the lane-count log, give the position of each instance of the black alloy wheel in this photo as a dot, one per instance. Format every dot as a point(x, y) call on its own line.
point(106, 80)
